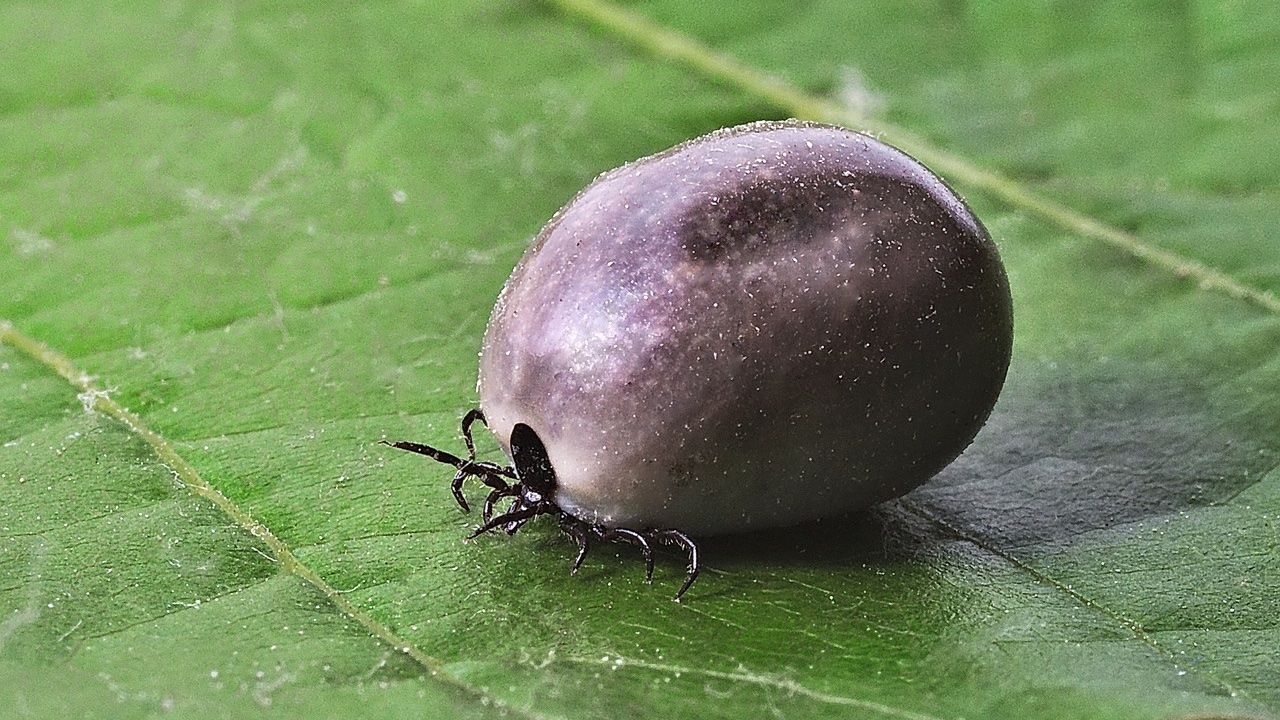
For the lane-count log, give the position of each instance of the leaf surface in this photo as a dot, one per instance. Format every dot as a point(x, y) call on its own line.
point(273, 233)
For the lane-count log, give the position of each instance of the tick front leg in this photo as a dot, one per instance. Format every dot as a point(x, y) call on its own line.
point(458, 478)
point(466, 468)
point(495, 496)
point(515, 517)
point(482, 468)
point(472, 416)
point(440, 456)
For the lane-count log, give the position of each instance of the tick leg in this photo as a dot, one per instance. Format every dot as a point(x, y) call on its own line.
point(472, 416)
point(515, 516)
point(635, 538)
point(492, 473)
point(675, 537)
point(497, 494)
point(484, 466)
point(580, 533)
point(488, 475)
point(456, 486)
point(438, 455)
point(465, 467)
point(516, 525)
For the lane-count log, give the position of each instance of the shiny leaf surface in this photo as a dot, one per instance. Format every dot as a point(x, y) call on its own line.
point(271, 234)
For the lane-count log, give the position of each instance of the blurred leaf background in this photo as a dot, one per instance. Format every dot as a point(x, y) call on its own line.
point(273, 232)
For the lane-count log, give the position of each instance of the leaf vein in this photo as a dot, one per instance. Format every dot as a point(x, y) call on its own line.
point(160, 616)
point(1133, 627)
point(766, 681)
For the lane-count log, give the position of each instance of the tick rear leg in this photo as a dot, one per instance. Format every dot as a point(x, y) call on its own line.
point(675, 537)
point(635, 538)
point(581, 534)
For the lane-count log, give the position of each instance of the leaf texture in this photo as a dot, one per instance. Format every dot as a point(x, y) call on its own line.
point(239, 243)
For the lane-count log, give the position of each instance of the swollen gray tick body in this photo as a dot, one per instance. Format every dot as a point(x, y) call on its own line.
point(774, 323)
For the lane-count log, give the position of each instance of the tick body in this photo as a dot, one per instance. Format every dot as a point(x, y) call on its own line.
point(770, 324)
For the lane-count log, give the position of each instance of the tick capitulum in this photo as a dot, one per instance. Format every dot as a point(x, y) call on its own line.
point(534, 492)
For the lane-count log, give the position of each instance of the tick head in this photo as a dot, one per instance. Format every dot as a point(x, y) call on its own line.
point(532, 464)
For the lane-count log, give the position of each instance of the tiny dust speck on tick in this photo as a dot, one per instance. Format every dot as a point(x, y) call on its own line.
point(769, 324)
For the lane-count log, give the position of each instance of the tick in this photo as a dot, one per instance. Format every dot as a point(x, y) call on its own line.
point(770, 324)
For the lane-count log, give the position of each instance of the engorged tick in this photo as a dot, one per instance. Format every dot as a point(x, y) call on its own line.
point(770, 324)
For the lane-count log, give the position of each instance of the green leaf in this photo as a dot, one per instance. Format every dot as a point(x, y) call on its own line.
point(241, 243)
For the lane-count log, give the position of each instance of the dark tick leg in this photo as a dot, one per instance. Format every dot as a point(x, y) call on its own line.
point(484, 467)
point(466, 468)
point(472, 416)
point(515, 506)
point(675, 537)
point(477, 468)
point(512, 527)
point(490, 474)
point(516, 516)
point(456, 486)
point(438, 455)
point(540, 501)
point(495, 496)
point(637, 539)
point(581, 534)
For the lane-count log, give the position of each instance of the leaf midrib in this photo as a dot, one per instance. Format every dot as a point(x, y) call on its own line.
point(100, 401)
point(289, 562)
point(669, 44)
point(186, 474)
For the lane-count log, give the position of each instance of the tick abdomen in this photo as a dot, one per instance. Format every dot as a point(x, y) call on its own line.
point(767, 325)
